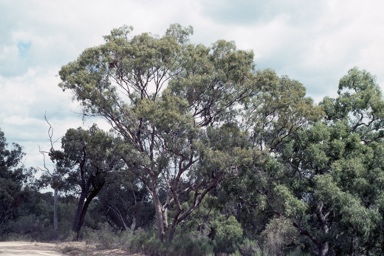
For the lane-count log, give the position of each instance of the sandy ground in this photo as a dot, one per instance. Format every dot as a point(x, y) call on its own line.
point(52, 249)
point(28, 249)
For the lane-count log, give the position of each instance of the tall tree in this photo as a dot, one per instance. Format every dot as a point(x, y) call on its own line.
point(336, 167)
point(271, 120)
point(160, 94)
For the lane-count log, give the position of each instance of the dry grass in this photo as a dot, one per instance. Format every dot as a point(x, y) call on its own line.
point(85, 249)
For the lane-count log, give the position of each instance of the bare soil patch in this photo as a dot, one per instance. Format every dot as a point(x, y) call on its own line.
point(57, 249)
point(28, 249)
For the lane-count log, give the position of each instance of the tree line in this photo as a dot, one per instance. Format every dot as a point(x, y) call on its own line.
point(205, 148)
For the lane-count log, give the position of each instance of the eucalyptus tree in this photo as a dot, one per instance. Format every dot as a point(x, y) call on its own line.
point(337, 169)
point(161, 94)
point(84, 163)
point(271, 120)
point(318, 168)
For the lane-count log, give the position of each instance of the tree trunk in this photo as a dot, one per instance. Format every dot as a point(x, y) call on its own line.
point(82, 208)
point(323, 219)
point(323, 248)
point(159, 213)
point(55, 217)
point(76, 222)
point(82, 217)
point(172, 232)
point(133, 225)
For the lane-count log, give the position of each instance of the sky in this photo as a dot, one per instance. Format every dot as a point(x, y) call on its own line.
point(314, 42)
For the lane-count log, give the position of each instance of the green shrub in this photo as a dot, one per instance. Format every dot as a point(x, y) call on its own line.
point(278, 233)
point(28, 227)
point(107, 238)
point(250, 248)
point(188, 245)
point(147, 242)
point(227, 234)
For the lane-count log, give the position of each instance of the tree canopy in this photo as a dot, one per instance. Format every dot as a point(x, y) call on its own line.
point(160, 94)
point(207, 154)
point(13, 176)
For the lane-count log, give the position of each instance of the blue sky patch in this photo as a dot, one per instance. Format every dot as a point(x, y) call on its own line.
point(23, 47)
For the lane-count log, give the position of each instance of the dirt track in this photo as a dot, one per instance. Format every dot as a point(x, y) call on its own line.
point(28, 249)
point(55, 249)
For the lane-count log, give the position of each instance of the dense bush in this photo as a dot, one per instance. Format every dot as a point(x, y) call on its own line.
point(146, 242)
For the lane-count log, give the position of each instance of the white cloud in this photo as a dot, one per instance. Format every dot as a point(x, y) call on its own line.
point(315, 42)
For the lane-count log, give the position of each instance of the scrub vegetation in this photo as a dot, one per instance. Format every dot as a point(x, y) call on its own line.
point(206, 155)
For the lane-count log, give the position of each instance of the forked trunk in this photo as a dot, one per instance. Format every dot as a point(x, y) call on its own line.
point(82, 208)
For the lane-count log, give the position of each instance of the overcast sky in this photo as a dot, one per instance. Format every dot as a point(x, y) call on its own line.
point(314, 42)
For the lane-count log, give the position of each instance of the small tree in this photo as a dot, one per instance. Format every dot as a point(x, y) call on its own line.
point(87, 158)
point(13, 176)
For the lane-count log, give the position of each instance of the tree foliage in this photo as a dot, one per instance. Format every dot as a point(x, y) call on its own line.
point(336, 164)
point(87, 158)
point(207, 150)
point(160, 94)
point(13, 175)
